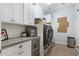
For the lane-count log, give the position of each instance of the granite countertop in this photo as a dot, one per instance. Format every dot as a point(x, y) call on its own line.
point(14, 41)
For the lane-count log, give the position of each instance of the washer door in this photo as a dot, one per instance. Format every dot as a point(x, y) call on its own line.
point(49, 34)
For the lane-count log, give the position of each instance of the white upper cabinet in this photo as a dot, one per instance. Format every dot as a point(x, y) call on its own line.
point(31, 14)
point(11, 12)
point(28, 14)
point(38, 11)
point(26, 19)
point(16, 13)
point(4, 12)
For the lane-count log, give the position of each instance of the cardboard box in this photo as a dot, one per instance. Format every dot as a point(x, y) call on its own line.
point(64, 24)
point(62, 29)
point(62, 19)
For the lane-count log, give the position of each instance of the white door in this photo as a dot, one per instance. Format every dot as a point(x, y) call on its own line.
point(26, 19)
point(4, 12)
point(16, 13)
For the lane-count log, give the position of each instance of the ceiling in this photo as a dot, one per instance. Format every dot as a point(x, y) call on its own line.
point(54, 6)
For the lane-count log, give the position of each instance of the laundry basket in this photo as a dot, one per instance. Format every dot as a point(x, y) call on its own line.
point(71, 42)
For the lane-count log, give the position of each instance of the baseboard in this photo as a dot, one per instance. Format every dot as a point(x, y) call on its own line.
point(77, 44)
point(57, 42)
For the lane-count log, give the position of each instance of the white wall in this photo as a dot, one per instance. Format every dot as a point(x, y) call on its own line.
point(77, 24)
point(38, 11)
point(69, 13)
point(13, 30)
point(48, 17)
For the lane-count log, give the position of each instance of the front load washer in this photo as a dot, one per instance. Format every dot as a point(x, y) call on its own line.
point(47, 35)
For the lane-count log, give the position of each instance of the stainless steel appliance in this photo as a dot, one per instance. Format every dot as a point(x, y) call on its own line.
point(31, 31)
point(47, 35)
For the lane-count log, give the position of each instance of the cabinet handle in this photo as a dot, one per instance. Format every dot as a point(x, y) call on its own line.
point(0, 51)
point(20, 46)
point(19, 53)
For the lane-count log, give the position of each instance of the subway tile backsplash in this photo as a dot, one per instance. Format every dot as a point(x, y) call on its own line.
point(13, 30)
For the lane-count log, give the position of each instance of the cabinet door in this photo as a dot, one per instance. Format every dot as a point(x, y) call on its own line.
point(16, 53)
point(31, 14)
point(26, 51)
point(7, 51)
point(4, 12)
point(23, 49)
point(23, 52)
point(16, 13)
point(26, 19)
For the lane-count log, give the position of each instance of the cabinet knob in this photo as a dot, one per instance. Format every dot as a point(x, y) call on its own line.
point(19, 53)
point(20, 46)
point(22, 52)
